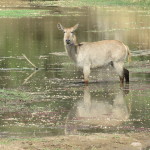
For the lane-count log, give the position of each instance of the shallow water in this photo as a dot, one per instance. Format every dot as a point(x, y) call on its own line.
point(61, 103)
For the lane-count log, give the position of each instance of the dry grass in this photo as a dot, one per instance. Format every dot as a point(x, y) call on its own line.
point(14, 3)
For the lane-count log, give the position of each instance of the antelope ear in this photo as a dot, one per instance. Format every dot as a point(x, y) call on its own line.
point(60, 27)
point(75, 27)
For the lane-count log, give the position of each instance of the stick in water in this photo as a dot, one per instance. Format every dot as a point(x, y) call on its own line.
point(26, 80)
point(30, 62)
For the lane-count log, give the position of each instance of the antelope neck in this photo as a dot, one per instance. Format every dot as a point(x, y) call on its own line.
point(72, 51)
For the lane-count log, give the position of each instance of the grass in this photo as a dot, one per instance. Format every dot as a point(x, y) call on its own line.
point(18, 13)
point(81, 3)
point(22, 13)
point(118, 2)
point(30, 13)
point(9, 140)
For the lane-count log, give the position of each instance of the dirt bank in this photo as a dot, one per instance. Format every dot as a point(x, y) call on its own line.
point(102, 141)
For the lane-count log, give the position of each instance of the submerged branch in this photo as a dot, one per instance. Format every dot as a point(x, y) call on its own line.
point(26, 80)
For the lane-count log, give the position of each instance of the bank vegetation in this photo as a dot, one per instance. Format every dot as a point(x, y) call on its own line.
point(143, 3)
point(73, 3)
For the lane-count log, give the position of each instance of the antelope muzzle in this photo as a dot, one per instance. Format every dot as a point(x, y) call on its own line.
point(68, 42)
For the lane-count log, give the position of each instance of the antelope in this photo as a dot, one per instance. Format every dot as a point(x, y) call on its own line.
point(89, 55)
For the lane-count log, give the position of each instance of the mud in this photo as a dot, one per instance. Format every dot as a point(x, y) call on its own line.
point(134, 141)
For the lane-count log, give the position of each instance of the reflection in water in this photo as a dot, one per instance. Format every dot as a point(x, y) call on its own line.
point(102, 111)
point(102, 106)
point(30, 76)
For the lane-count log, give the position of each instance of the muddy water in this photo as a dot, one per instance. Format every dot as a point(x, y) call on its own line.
point(60, 104)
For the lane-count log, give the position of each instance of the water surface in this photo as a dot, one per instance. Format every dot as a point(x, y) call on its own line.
point(60, 103)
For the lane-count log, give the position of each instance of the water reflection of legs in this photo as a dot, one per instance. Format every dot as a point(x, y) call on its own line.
point(100, 107)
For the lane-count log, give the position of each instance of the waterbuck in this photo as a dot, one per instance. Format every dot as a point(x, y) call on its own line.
point(89, 55)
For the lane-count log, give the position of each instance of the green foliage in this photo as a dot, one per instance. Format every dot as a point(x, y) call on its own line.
point(21, 13)
point(117, 2)
point(80, 3)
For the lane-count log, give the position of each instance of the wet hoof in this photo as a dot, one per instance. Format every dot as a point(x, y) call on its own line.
point(121, 80)
point(86, 82)
point(126, 75)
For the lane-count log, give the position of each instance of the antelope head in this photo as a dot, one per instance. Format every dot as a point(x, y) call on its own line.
point(69, 36)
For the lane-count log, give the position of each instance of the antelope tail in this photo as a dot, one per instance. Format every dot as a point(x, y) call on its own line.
point(128, 54)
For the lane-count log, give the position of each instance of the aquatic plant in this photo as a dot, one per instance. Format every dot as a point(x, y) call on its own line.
point(14, 95)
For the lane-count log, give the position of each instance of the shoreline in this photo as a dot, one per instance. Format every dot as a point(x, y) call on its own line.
point(98, 141)
point(77, 3)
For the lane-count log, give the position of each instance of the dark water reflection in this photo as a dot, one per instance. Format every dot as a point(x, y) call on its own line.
point(62, 104)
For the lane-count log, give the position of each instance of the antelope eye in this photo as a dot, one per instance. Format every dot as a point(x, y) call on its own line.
point(72, 32)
